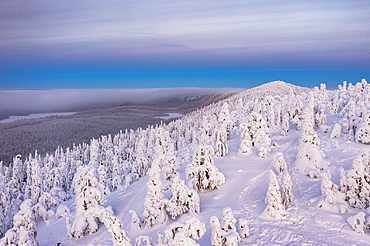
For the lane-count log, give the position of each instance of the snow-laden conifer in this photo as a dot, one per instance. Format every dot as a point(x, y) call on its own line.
point(183, 199)
point(287, 193)
point(275, 208)
point(279, 162)
point(154, 204)
point(216, 236)
point(285, 125)
point(185, 233)
point(357, 222)
point(243, 228)
point(113, 224)
point(201, 172)
point(329, 190)
point(136, 222)
point(88, 194)
point(24, 227)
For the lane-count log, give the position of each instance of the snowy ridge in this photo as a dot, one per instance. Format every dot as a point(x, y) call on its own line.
point(291, 168)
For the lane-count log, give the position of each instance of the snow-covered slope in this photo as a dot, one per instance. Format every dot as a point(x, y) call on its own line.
point(307, 222)
point(239, 148)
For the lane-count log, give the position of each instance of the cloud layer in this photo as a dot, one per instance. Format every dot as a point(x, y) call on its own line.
point(302, 34)
point(35, 101)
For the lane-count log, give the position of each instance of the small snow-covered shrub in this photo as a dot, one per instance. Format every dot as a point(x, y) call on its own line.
point(279, 162)
point(342, 208)
point(136, 222)
point(243, 228)
point(245, 146)
point(185, 234)
point(357, 222)
point(264, 151)
point(285, 125)
point(329, 190)
point(287, 195)
point(336, 131)
point(142, 241)
point(216, 236)
point(362, 134)
point(62, 211)
point(227, 220)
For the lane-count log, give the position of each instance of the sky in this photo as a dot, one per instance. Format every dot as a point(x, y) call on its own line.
point(163, 44)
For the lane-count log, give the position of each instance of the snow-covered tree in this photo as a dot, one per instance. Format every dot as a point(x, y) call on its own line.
point(227, 220)
point(224, 234)
point(113, 224)
point(103, 180)
point(185, 234)
point(221, 145)
point(216, 236)
point(357, 188)
point(245, 146)
point(329, 190)
point(275, 206)
point(154, 204)
point(88, 194)
point(357, 222)
point(243, 228)
point(136, 222)
point(279, 162)
point(287, 194)
point(24, 227)
point(285, 125)
point(201, 172)
point(183, 199)
point(336, 132)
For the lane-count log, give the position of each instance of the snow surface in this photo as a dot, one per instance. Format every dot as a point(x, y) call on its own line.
point(34, 116)
point(309, 220)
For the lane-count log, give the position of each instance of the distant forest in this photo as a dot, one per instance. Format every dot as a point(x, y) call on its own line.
point(46, 134)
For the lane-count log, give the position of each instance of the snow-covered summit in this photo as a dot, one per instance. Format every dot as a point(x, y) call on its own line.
point(274, 88)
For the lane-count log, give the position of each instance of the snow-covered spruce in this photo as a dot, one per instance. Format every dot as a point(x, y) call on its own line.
point(185, 233)
point(136, 222)
point(279, 162)
point(357, 222)
point(88, 194)
point(329, 190)
point(183, 199)
point(243, 228)
point(113, 224)
point(201, 172)
point(275, 208)
point(355, 184)
point(287, 193)
point(154, 204)
point(24, 227)
point(225, 234)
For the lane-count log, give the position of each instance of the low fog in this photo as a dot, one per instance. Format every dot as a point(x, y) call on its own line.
point(38, 101)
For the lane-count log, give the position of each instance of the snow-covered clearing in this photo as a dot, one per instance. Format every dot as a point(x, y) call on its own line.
point(309, 220)
point(34, 116)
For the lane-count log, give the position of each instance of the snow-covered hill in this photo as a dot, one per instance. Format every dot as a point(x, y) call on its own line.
point(244, 157)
